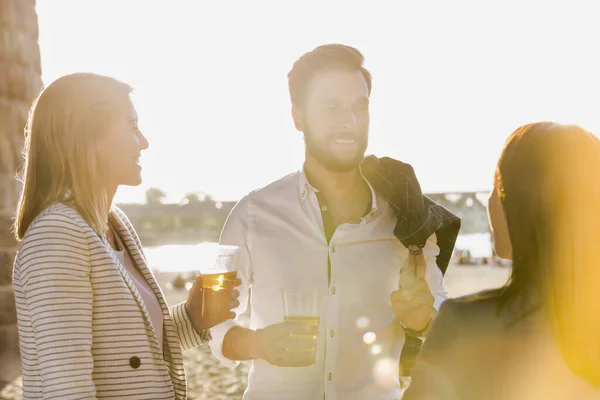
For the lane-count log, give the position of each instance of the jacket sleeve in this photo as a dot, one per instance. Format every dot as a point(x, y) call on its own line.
point(54, 270)
point(188, 336)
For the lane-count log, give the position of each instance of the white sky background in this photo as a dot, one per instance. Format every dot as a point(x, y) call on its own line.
point(451, 79)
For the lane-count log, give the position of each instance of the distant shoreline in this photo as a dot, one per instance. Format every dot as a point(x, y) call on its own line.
point(479, 245)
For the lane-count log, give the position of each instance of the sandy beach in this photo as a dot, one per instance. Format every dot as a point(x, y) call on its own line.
point(208, 380)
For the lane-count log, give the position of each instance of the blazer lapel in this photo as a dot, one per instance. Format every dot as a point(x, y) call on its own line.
point(171, 348)
point(136, 256)
point(141, 262)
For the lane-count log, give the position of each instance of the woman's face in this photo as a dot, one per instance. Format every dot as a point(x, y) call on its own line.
point(497, 220)
point(121, 148)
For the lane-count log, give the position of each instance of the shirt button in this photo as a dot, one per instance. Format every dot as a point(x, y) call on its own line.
point(329, 376)
point(333, 248)
point(331, 333)
point(333, 290)
point(324, 208)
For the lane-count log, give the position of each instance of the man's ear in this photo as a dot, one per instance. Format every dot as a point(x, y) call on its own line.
point(298, 117)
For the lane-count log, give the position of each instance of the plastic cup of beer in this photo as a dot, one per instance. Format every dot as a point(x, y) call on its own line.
point(302, 305)
point(219, 274)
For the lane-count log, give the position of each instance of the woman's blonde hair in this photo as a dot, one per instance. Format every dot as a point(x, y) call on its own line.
point(62, 133)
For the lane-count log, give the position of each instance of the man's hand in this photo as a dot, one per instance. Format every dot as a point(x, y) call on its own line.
point(288, 344)
point(413, 302)
point(413, 305)
point(193, 305)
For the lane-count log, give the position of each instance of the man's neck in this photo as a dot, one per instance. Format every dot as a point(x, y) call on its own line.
point(334, 185)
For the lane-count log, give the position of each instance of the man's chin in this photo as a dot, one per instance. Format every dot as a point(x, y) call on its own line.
point(336, 161)
point(343, 165)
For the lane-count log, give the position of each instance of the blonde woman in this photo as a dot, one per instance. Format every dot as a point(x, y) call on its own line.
point(93, 322)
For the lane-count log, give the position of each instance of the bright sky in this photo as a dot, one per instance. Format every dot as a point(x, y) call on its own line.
point(452, 79)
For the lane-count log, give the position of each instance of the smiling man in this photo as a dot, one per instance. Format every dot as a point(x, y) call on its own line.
point(326, 228)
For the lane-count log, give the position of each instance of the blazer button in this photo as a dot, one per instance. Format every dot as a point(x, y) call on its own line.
point(134, 362)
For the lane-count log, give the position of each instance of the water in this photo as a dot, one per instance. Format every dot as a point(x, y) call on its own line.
point(188, 258)
point(179, 257)
point(479, 244)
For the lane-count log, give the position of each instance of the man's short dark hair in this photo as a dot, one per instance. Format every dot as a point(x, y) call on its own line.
point(325, 57)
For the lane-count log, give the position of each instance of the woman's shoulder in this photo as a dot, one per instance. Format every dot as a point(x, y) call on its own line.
point(490, 310)
point(58, 220)
point(476, 304)
point(59, 214)
point(483, 298)
point(58, 232)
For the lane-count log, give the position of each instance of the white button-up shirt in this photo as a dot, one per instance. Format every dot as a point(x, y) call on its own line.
point(280, 231)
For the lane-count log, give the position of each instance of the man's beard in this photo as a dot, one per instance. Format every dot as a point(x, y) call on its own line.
point(327, 157)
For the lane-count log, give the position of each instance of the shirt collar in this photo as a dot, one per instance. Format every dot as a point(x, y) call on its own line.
point(304, 188)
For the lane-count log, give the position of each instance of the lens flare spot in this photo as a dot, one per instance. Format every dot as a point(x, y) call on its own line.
point(362, 323)
point(376, 349)
point(386, 372)
point(369, 337)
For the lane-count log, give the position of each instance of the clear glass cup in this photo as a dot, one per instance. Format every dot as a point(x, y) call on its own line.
point(301, 305)
point(219, 274)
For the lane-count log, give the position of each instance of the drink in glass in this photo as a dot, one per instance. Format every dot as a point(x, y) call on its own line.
point(218, 282)
point(302, 306)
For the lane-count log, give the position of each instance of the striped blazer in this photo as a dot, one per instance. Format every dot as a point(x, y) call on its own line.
point(84, 330)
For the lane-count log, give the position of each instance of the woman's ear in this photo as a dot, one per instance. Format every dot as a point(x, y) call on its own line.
point(499, 226)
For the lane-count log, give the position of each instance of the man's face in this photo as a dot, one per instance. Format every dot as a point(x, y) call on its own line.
point(335, 119)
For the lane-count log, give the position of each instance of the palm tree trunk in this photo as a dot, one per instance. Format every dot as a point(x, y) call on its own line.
point(20, 83)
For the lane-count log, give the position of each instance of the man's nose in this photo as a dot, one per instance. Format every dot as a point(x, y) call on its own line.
point(348, 118)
